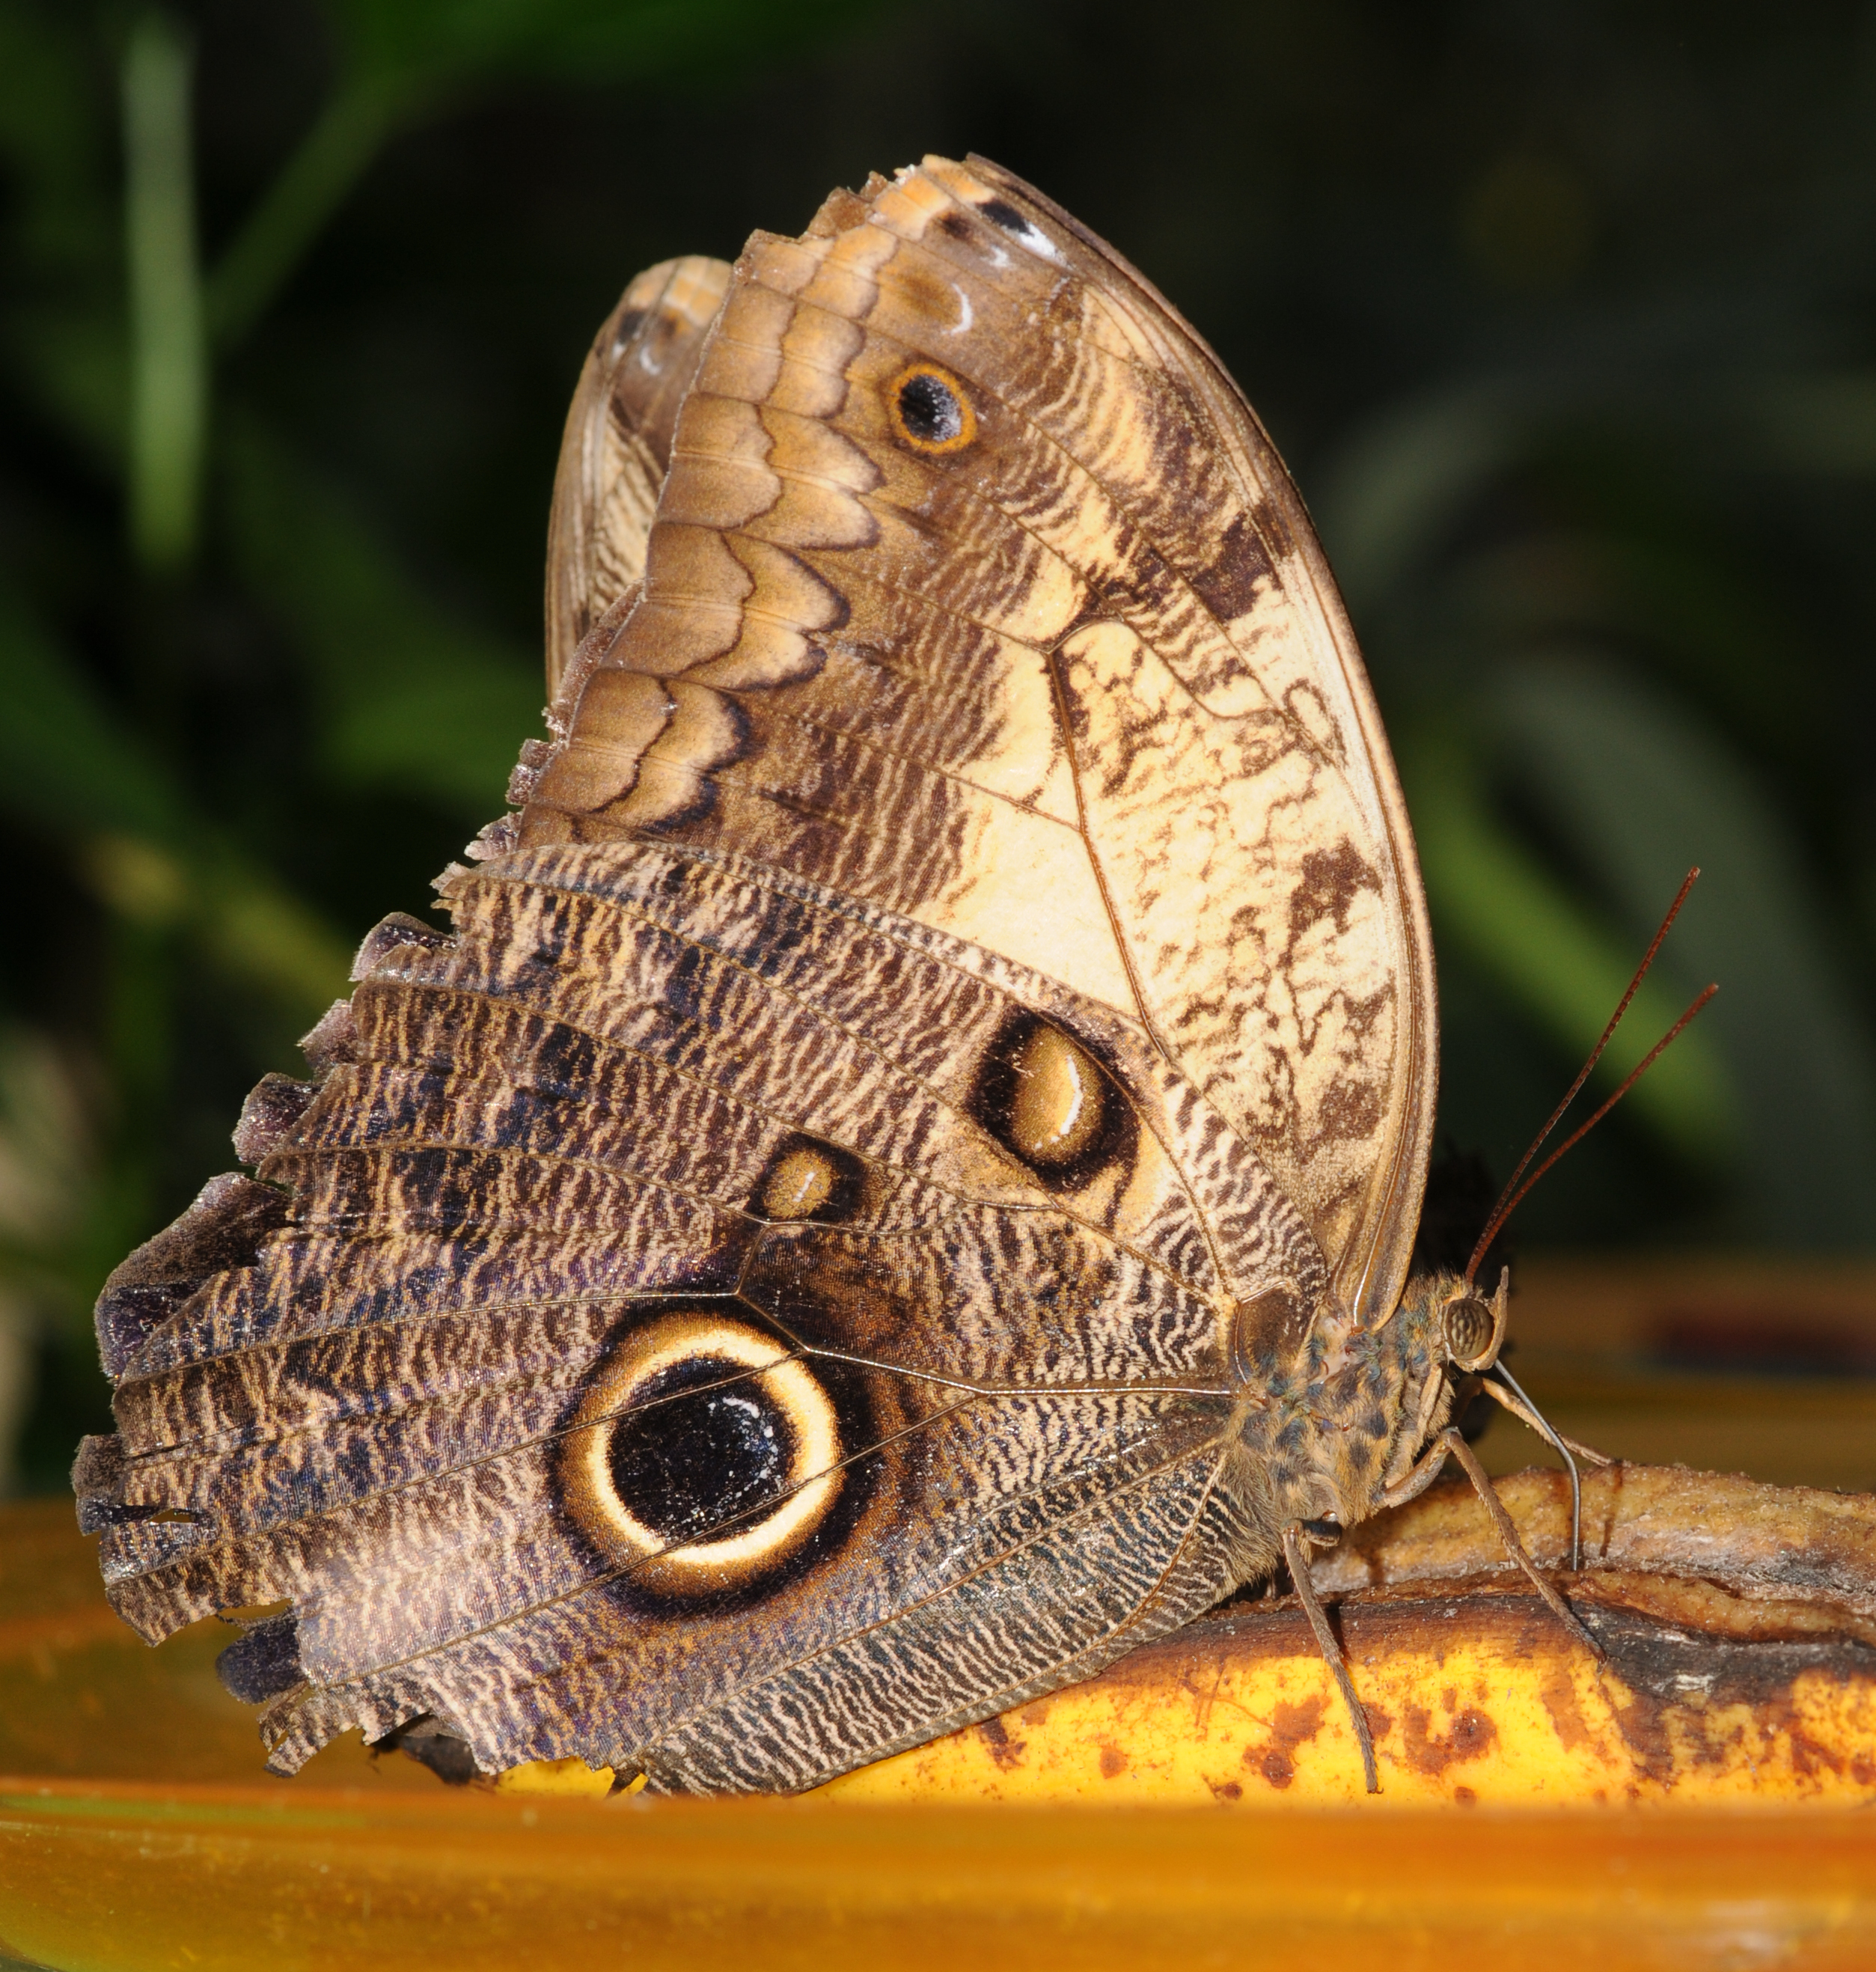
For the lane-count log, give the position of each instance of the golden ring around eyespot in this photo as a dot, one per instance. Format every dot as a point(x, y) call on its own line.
point(752, 1546)
point(930, 410)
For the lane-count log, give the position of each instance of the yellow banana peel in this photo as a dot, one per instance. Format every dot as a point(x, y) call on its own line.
point(1737, 1619)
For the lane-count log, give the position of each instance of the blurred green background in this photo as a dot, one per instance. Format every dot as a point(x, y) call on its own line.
point(1562, 312)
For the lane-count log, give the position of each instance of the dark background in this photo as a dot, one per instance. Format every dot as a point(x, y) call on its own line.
point(1561, 312)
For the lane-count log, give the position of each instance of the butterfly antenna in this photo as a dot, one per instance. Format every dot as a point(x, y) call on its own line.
point(1514, 1194)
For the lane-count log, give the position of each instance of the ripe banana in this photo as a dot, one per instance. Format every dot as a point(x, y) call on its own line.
point(1736, 1620)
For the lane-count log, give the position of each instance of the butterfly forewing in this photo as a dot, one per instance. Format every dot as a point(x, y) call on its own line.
point(1051, 661)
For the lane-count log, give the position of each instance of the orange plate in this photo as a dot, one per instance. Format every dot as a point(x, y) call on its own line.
point(130, 1875)
point(139, 1832)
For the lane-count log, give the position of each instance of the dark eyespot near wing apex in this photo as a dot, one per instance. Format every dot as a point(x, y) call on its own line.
point(808, 1179)
point(624, 327)
point(1044, 1095)
point(929, 410)
point(1001, 212)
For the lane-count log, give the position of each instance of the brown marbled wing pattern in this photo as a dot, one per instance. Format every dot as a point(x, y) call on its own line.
point(617, 445)
point(528, 1139)
point(1077, 689)
point(935, 747)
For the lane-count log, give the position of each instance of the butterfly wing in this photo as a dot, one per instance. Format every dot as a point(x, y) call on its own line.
point(649, 1110)
point(977, 592)
point(617, 445)
point(761, 1292)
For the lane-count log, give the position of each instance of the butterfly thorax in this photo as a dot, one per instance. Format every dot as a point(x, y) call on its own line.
point(1347, 1414)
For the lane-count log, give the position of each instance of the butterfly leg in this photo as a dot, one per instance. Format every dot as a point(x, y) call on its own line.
point(1297, 1553)
point(1421, 1475)
point(1451, 1441)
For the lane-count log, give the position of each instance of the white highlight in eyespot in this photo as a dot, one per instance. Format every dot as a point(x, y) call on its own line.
point(1033, 236)
point(812, 1473)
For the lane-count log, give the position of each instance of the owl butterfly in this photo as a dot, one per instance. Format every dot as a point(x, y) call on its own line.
point(898, 1186)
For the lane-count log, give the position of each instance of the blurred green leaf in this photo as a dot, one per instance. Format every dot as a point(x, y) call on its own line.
point(257, 932)
point(168, 354)
point(64, 759)
point(49, 134)
point(1568, 971)
point(67, 764)
point(410, 698)
point(63, 296)
point(1824, 424)
point(1391, 496)
point(1641, 792)
point(585, 40)
point(404, 58)
point(349, 132)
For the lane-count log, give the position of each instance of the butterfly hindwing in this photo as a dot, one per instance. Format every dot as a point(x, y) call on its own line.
point(1026, 1382)
point(618, 445)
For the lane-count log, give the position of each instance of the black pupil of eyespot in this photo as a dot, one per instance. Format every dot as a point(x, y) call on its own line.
point(930, 409)
point(703, 1444)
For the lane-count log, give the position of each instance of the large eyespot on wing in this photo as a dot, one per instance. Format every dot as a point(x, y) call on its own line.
point(585, 1474)
point(1041, 1093)
point(703, 1456)
point(617, 444)
point(976, 591)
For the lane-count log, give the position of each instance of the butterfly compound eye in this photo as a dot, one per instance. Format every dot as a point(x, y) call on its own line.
point(929, 410)
point(1470, 1329)
point(702, 1456)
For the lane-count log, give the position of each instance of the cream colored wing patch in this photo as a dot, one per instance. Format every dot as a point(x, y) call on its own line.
point(976, 591)
point(617, 445)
